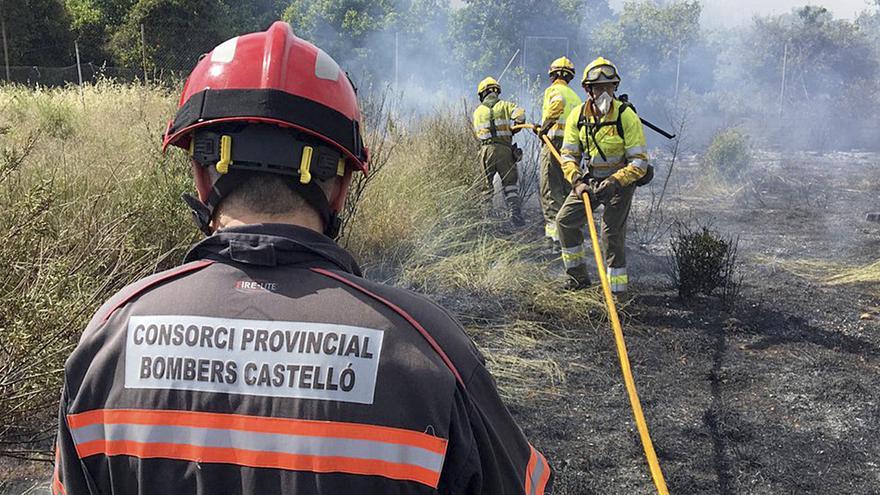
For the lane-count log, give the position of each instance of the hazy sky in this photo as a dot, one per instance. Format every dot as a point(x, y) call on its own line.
point(736, 12)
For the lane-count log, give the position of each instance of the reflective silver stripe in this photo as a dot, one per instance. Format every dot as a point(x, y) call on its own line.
point(608, 160)
point(263, 442)
point(484, 135)
point(504, 133)
point(601, 173)
point(570, 147)
point(575, 256)
point(618, 279)
point(636, 150)
point(556, 133)
point(534, 477)
point(326, 67)
point(638, 162)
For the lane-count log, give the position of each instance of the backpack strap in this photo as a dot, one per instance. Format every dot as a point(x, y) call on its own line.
point(492, 129)
point(591, 129)
point(619, 123)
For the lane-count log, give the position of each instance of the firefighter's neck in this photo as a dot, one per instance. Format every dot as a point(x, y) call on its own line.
point(303, 217)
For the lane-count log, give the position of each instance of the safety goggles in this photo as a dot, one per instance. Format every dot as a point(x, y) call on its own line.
point(603, 70)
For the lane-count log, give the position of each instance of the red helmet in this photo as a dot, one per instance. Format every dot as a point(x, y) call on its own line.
point(297, 94)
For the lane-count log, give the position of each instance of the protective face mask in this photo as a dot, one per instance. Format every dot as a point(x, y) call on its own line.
point(603, 103)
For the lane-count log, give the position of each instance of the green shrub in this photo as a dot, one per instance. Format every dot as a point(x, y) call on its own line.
point(83, 211)
point(55, 117)
point(703, 261)
point(729, 154)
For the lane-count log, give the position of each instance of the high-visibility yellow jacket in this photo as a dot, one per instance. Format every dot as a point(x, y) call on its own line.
point(494, 118)
point(559, 101)
point(625, 157)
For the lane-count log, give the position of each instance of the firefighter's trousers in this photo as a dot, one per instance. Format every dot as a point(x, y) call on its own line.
point(553, 188)
point(498, 158)
point(571, 221)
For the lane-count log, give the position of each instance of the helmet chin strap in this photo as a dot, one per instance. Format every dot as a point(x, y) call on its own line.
point(203, 212)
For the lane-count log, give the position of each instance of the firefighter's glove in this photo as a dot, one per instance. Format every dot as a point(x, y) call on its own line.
point(582, 186)
point(606, 189)
point(545, 127)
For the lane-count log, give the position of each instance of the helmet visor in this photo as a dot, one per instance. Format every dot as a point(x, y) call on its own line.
point(594, 74)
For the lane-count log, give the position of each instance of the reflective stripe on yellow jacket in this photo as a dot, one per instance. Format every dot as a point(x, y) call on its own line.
point(626, 158)
point(559, 101)
point(505, 115)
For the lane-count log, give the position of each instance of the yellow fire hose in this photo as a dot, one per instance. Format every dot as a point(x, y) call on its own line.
point(641, 424)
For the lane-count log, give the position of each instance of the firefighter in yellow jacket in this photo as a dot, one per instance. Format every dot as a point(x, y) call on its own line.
point(608, 134)
point(494, 119)
point(559, 101)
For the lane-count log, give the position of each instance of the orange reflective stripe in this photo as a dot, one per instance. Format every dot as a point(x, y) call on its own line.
point(260, 424)
point(255, 441)
point(57, 486)
point(258, 459)
point(533, 459)
point(537, 473)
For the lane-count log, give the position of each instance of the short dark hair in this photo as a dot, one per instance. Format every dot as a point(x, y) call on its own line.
point(267, 194)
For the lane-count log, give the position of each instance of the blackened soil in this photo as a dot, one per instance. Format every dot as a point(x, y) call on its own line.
point(778, 394)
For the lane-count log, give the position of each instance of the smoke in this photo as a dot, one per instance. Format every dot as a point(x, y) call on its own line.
point(674, 57)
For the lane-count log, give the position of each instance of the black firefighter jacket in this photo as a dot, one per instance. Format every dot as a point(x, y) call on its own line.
point(267, 365)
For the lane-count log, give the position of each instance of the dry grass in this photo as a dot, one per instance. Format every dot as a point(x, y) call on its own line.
point(88, 203)
point(869, 273)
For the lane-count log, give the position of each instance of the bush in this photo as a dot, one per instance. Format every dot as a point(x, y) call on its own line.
point(702, 261)
point(728, 155)
point(83, 212)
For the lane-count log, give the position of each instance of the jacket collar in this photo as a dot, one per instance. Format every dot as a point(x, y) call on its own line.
point(273, 244)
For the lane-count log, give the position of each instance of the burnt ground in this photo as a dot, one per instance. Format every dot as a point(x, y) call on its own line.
point(777, 394)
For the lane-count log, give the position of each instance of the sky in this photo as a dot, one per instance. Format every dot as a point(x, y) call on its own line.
point(731, 13)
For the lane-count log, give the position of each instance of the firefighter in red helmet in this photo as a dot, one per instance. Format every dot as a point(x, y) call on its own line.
point(266, 363)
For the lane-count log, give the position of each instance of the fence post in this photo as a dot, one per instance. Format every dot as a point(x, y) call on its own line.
point(79, 73)
point(782, 86)
point(144, 54)
point(5, 49)
point(677, 70)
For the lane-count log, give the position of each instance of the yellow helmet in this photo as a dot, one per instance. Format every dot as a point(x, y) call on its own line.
point(487, 84)
point(561, 64)
point(600, 71)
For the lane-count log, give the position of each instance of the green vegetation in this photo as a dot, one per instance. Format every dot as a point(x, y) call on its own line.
point(86, 208)
point(728, 155)
point(703, 261)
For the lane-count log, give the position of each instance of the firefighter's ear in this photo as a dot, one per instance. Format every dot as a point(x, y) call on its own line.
point(202, 179)
point(339, 190)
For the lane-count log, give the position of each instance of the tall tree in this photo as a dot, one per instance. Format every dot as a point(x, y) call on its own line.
point(37, 32)
point(93, 22)
point(176, 32)
point(486, 33)
point(373, 38)
point(647, 41)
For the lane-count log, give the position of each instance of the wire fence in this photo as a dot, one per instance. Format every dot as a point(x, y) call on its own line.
point(33, 76)
point(157, 63)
